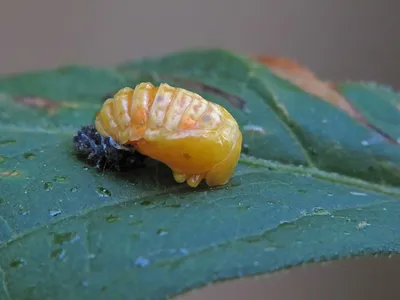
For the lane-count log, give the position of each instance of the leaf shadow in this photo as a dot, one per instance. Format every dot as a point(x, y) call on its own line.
point(151, 175)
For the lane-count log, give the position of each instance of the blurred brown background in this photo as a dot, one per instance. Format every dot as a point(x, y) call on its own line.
point(338, 40)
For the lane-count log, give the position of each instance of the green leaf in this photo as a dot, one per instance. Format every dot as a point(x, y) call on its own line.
point(380, 105)
point(307, 187)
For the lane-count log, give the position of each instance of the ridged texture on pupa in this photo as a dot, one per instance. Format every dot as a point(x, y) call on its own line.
point(196, 138)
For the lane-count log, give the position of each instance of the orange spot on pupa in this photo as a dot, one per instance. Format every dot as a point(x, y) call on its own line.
point(187, 123)
point(197, 107)
point(140, 117)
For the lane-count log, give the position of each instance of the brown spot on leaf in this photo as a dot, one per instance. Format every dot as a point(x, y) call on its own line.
point(254, 129)
point(12, 173)
point(38, 102)
point(43, 103)
point(305, 79)
point(187, 156)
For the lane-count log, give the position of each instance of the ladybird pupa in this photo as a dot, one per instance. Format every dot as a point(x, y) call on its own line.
point(194, 137)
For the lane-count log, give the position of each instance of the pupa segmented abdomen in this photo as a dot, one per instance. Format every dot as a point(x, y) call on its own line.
point(147, 110)
point(168, 123)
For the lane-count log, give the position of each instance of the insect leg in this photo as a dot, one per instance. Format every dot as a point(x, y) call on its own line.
point(180, 178)
point(194, 180)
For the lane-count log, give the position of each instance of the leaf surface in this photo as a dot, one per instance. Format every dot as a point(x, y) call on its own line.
point(314, 183)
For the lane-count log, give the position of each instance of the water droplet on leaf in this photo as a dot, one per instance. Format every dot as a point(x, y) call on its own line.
point(54, 212)
point(135, 222)
point(243, 207)
point(7, 142)
point(358, 194)
point(22, 210)
point(65, 237)
point(29, 155)
point(362, 225)
point(287, 225)
point(17, 263)
point(184, 251)
point(141, 262)
point(162, 232)
point(60, 179)
point(112, 218)
point(320, 211)
point(254, 129)
point(48, 186)
point(102, 192)
point(58, 254)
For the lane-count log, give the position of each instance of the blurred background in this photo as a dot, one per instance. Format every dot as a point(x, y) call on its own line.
point(338, 40)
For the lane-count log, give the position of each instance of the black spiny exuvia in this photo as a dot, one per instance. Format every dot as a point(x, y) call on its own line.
point(104, 152)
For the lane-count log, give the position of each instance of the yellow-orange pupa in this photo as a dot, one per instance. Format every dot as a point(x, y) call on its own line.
point(196, 138)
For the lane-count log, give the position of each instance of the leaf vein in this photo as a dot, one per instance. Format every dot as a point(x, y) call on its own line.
point(259, 236)
point(5, 222)
point(84, 213)
point(320, 174)
point(285, 121)
point(368, 186)
point(4, 283)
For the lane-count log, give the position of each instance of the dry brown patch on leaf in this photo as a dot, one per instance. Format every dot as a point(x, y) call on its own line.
point(43, 103)
point(12, 173)
point(306, 80)
point(38, 102)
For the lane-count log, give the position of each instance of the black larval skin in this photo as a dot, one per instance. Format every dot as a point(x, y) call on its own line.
point(104, 152)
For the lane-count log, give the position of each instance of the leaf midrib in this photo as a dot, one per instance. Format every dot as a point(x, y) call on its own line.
point(264, 164)
point(228, 243)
